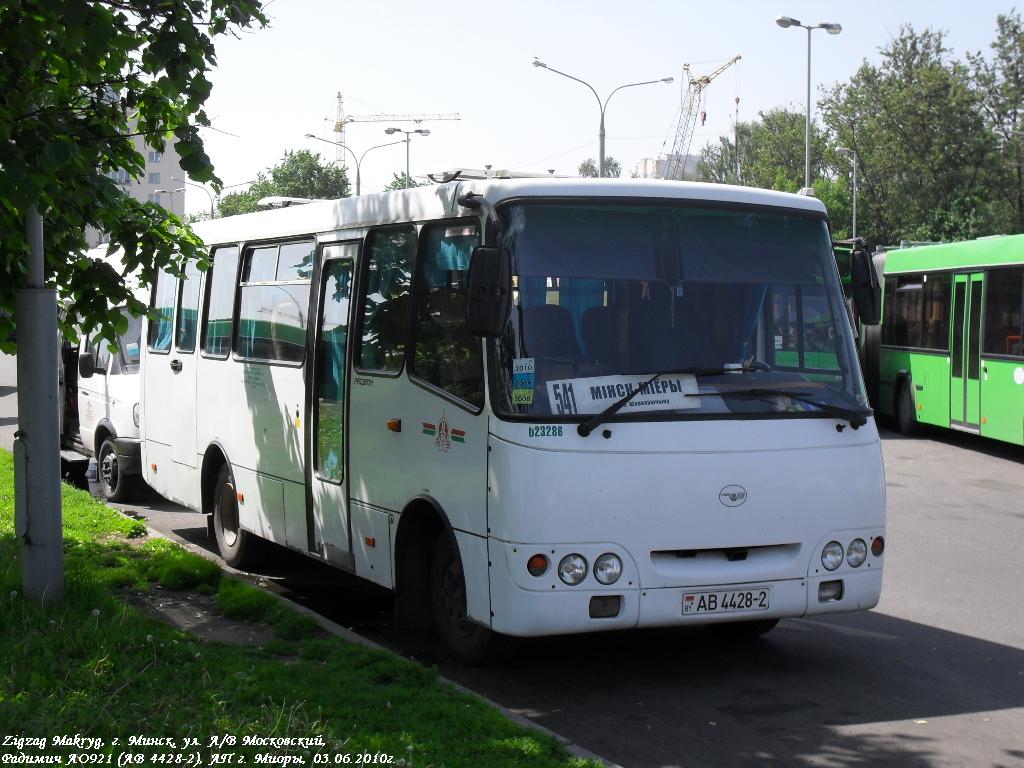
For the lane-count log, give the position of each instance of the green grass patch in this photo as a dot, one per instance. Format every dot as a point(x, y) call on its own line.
point(91, 664)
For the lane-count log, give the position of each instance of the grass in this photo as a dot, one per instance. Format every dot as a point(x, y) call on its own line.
point(92, 665)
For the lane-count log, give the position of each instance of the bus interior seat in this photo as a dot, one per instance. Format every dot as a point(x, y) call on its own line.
point(550, 332)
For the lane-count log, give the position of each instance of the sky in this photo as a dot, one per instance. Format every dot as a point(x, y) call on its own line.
point(274, 85)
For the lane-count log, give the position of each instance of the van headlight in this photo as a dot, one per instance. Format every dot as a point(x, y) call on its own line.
point(832, 555)
point(572, 569)
point(607, 568)
point(135, 414)
point(856, 553)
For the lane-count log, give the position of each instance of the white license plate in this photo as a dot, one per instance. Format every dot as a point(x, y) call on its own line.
point(727, 601)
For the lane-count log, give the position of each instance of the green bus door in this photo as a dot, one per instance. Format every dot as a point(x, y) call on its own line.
point(965, 351)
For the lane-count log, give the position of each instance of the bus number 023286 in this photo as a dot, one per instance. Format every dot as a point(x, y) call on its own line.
point(725, 602)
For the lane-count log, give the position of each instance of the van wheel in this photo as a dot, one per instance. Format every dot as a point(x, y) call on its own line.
point(743, 631)
point(466, 641)
point(240, 549)
point(906, 417)
point(115, 485)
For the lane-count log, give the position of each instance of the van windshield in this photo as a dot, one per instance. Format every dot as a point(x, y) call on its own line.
point(738, 301)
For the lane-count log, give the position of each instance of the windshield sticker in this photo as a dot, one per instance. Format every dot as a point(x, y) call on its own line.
point(523, 380)
point(594, 394)
point(443, 434)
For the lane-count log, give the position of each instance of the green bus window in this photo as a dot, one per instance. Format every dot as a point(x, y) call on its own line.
point(220, 302)
point(386, 304)
point(188, 309)
point(1004, 312)
point(938, 294)
point(163, 304)
point(446, 354)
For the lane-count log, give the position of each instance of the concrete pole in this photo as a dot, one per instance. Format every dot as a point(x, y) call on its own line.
point(807, 124)
point(37, 442)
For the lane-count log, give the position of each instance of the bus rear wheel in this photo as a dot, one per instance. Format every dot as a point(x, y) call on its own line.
point(240, 549)
point(906, 417)
point(466, 641)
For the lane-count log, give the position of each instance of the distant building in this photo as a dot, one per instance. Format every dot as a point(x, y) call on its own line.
point(156, 185)
point(651, 168)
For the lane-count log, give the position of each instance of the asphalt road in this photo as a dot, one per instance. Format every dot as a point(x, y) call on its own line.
point(932, 677)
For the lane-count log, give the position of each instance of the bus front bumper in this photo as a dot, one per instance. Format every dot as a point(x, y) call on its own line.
point(524, 613)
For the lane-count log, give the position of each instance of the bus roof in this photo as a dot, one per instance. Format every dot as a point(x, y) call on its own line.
point(969, 254)
point(438, 201)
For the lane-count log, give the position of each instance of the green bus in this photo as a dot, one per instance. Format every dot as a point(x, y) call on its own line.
point(950, 351)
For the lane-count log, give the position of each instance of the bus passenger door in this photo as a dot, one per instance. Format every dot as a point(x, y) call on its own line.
point(965, 351)
point(328, 527)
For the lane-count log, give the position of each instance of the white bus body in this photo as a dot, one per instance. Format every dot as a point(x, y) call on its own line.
point(451, 469)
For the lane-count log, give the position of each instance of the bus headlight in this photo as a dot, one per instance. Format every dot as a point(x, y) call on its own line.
point(856, 553)
point(607, 568)
point(572, 569)
point(832, 555)
point(135, 414)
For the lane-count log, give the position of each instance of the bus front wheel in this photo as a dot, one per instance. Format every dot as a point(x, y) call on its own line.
point(240, 549)
point(906, 417)
point(466, 641)
point(115, 485)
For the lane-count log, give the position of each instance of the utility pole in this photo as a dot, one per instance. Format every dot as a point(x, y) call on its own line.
point(37, 510)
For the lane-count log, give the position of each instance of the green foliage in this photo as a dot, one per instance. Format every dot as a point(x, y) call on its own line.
point(79, 78)
point(238, 600)
point(401, 181)
point(588, 168)
point(300, 173)
point(92, 664)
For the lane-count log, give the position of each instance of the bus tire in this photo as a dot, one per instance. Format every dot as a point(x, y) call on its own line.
point(240, 549)
point(115, 485)
point(744, 631)
point(465, 641)
point(906, 417)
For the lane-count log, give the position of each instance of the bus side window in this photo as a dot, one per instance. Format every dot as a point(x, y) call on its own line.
point(1004, 312)
point(274, 302)
point(220, 302)
point(188, 309)
point(163, 303)
point(387, 287)
point(446, 354)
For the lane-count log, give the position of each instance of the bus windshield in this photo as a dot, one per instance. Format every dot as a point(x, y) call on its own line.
point(734, 307)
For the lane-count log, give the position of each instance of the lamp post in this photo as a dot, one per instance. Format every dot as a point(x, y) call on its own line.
point(601, 105)
point(171, 193)
point(358, 160)
point(833, 29)
point(421, 132)
point(852, 154)
point(199, 186)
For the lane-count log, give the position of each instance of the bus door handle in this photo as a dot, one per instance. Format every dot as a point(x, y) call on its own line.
point(176, 366)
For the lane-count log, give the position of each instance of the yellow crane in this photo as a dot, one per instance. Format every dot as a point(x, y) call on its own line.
point(675, 162)
point(341, 119)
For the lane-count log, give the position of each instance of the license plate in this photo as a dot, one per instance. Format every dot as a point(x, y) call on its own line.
point(727, 601)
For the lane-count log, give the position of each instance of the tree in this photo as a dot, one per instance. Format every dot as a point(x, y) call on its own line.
point(925, 154)
point(300, 173)
point(588, 168)
point(1001, 85)
point(401, 181)
point(79, 78)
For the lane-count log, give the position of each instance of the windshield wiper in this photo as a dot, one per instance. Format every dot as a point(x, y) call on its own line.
point(595, 421)
point(856, 417)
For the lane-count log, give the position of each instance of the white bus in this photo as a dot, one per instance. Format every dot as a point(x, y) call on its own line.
point(529, 407)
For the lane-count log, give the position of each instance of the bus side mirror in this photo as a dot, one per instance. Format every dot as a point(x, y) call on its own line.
point(489, 292)
point(865, 288)
point(86, 365)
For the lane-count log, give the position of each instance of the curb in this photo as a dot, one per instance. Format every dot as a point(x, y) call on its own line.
point(347, 634)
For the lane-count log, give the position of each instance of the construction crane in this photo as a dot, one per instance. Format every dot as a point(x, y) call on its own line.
point(341, 120)
point(675, 161)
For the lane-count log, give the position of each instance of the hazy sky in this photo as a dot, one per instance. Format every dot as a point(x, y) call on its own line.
point(398, 57)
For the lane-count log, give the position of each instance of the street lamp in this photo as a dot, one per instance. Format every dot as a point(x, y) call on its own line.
point(833, 29)
point(852, 154)
point(171, 193)
point(421, 132)
point(358, 160)
point(602, 106)
point(200, 186)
